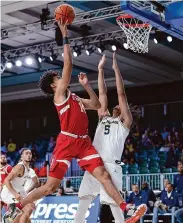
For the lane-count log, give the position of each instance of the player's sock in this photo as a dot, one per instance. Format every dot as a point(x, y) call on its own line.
point(123, 206)
point(117, 213)
point(82, 209)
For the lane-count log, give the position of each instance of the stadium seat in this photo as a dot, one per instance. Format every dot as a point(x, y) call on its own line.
point(144, 170)
point(166, 170)
point(154, 164)
point(174, 169)
point(135, 165)
point(133, 171)
point(154, 158)
point(143, 164)
point(154, 170)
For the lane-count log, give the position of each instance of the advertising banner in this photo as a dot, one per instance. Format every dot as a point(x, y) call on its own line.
point(62, 210)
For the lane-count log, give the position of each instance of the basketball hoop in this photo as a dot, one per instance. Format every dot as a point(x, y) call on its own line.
point(137, 33)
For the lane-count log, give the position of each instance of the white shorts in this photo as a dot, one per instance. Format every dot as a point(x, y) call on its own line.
point(90, 187)
point(9, 198)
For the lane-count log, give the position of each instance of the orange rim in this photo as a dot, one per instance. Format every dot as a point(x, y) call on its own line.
point(126, 16)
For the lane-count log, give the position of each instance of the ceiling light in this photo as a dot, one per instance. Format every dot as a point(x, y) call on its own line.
point(18, 63)
point(39, 59)
point(155, 41)
point(29, 61)
point(89, 51)
point(169, 38)
point(125, 45)
point(51, 58)
point(76, 51)
point(9, 65)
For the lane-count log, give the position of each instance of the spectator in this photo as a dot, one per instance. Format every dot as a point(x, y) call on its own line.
point(164, 148)
point(164, 133)
point(43, 170)
point(168, 204)
point(171, 160)
point(157, 138)
point(60, 191)
point(166, 181)
point(146, 141)
point(11, 146)
point(179, 215)
point(69, 188)
point(4, 148)
point(35, 155)
point(51, 144)
point(137, 197)
point(178, 178)
point(150, 194)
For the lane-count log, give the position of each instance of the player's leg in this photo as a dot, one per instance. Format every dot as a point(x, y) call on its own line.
point(27, 211)
point(82, 209)
point(88, 190)
point(117, 213)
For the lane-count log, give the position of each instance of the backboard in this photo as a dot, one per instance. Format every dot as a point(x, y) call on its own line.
point(166, 16)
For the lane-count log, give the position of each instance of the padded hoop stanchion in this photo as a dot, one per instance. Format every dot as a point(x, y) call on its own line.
point(137, 33)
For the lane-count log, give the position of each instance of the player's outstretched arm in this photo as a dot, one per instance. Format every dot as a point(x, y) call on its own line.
point(126, 115)
point(102, 89)
point(18, 170)
point(92, 103)
point(67, 69)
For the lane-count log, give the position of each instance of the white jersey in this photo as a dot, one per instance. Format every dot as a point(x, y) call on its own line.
point(18, 183)
point(109, 139)
point(29, 181)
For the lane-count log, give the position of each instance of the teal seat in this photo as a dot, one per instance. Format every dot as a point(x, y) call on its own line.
point(154, 164)
point(166, 170)
point(135, 165)
point(174, 169)
point(143, 164)
point(144, 170)
point(133, 171)
point(154, 170)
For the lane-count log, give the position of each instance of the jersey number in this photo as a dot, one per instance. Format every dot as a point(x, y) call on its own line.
point(107, 130)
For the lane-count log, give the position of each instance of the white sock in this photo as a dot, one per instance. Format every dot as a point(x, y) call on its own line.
point(82, 209)
point(117, 213)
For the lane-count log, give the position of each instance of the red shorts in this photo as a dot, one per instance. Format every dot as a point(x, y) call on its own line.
point(67, 148)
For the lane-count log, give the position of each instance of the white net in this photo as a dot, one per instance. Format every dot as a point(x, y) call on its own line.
point(137, 34)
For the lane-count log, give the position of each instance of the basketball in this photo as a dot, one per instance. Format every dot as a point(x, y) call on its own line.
point(65, 12)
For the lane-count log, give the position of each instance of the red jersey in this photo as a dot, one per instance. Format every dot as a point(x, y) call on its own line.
point(72, 115)
point(4, 171)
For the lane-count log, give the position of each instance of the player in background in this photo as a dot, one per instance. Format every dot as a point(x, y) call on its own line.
point(73, 140)
point(109, 141)
point(13, 189)
point(5, 169)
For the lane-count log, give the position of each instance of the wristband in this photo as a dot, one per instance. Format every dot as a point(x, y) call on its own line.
point(65, 40)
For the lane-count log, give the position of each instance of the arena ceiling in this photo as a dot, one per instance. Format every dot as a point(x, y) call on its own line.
point(163, 63)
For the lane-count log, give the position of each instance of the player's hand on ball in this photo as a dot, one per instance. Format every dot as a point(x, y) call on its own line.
point(114, 64)
point(63, 27)
point(102, 62)
point(83, 80)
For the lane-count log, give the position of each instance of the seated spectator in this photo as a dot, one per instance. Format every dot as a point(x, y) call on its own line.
point(168, 204)
point(150, 194)
point(164, 133)
point(179, 215)
point(178, 178)
point(43, 170)
point(156, 138)
point(51, 144)
point(171, 160)
point(146, 141)
point(69, 188)
point(11, 146)
point(60, 191)
point(4, 148)
point(137, 197)
point(35, 155)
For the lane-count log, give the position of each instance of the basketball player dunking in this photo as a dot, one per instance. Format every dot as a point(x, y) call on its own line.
point(109, 141)
point(73, 140)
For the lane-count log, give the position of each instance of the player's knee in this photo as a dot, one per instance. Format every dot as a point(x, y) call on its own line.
point(28, 209)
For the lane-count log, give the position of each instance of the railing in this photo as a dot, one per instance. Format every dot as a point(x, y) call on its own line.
point(156, 181)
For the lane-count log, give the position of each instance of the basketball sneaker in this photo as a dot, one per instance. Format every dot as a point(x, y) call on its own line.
point(137, 214)
point(12, 212)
